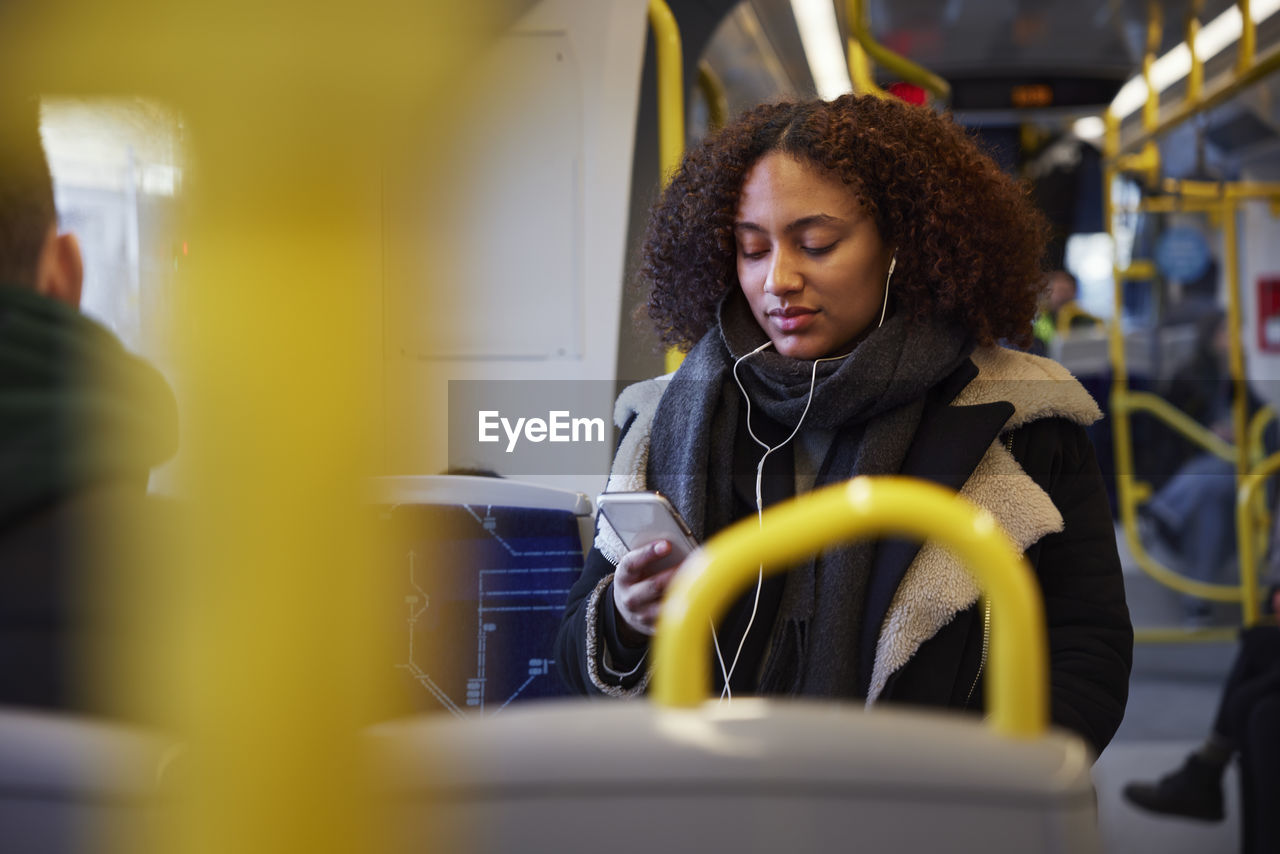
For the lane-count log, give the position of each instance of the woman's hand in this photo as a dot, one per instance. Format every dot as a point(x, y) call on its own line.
point(638, 587)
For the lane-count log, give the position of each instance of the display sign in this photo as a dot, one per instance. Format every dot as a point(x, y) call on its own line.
point(1182, 254)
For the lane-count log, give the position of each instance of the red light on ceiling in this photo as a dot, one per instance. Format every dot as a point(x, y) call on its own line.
point(909, 92)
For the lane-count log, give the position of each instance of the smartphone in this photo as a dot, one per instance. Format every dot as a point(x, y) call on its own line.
point(640, 518)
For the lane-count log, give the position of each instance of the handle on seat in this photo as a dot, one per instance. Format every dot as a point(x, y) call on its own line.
point(1017, 687)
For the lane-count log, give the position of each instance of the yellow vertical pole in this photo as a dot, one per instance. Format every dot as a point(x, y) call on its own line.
point(712, 89)
point(270, 663)
point(1239, 408)
point(1155, 31)
point(861, 70)
point(1120, 425)
point(670, 60)
point(1248, 38)
point(1195, 77)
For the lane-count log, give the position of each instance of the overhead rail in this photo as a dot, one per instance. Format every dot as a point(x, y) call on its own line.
point(670, 61)
point(1221, 202)
point(1017, 691)
point(712, 89)
point(864, 49)
point(1249, 69)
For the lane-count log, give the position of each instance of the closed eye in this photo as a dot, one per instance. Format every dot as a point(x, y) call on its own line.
point(820, 250)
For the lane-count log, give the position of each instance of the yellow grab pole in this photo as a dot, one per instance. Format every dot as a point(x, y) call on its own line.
point(1240, 395)
point(1120, 426)
point(670, 59)
point(1258, 425)
point(860, 70)
point(1155, 31)
point(1245, 499)
point(1195, 76)
point(864, 81)
point(274, 613)
point(1017, 690)
point(863, 47)
point(666, 40)
point(712, 89)
point(1248, 38)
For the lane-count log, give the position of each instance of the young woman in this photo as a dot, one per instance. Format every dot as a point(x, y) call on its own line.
point(841, 274)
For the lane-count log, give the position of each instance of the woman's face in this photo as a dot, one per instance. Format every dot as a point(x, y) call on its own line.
point(810, 261)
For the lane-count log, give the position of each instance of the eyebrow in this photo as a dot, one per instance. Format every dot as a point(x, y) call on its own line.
point(798, 225)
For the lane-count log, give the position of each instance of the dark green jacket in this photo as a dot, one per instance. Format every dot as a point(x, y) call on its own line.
point(82, 422)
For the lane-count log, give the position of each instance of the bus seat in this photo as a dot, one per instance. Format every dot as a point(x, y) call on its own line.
point(486, 564)
point(71, 784)
point(753, 775)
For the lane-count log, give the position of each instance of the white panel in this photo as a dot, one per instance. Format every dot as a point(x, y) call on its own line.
point(510, 205)
point(510, 268)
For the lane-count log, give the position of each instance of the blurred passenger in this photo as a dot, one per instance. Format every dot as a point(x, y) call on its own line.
point(1060, 312)
point(1246, 726)
point(81, 424)
point(842, 272)
point(1193, 514)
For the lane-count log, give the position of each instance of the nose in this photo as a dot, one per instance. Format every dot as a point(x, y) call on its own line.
point(784, 274)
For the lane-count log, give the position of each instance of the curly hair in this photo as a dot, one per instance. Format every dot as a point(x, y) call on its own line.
point(969, 241)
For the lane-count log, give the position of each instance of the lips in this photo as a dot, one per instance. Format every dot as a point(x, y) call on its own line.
point(792, 318)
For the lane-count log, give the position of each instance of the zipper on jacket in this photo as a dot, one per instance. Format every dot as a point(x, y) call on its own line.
point(986, 616)
point(986, 645)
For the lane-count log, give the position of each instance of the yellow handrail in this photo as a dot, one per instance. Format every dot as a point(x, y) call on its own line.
point(1155, 31)
point(1248, 71)
point(1179, 421)
point(1017, 691)
point(670, 61)
point(867, 46)
point(1221, 201)
point(670, 58)
point(1195, 76)
point(1258, 425)
point(712, 90)
point(1248, 38)
point(1245, 500)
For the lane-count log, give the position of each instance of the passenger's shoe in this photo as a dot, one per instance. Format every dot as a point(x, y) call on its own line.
point(1193, 791)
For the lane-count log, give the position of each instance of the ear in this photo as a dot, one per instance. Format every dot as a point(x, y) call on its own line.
point(60, 271)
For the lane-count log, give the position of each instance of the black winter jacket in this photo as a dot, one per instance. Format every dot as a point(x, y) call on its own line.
point(1090, 635)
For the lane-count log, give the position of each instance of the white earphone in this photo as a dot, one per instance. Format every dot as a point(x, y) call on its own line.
point(727, 672)
point(893, 262)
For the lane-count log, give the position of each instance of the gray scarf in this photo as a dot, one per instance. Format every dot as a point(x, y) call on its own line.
point(872, 400)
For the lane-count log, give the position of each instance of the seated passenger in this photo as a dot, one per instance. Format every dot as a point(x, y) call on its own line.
point(81, 424)
point(842, 272)
point(1247, 726)
point(1193, 513)
point(1060, 313)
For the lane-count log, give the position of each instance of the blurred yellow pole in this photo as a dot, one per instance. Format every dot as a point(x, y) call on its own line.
point(670, 61)
point(1155, 32)
point(271, 668)
point(712, 89)
point(1248, 38)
